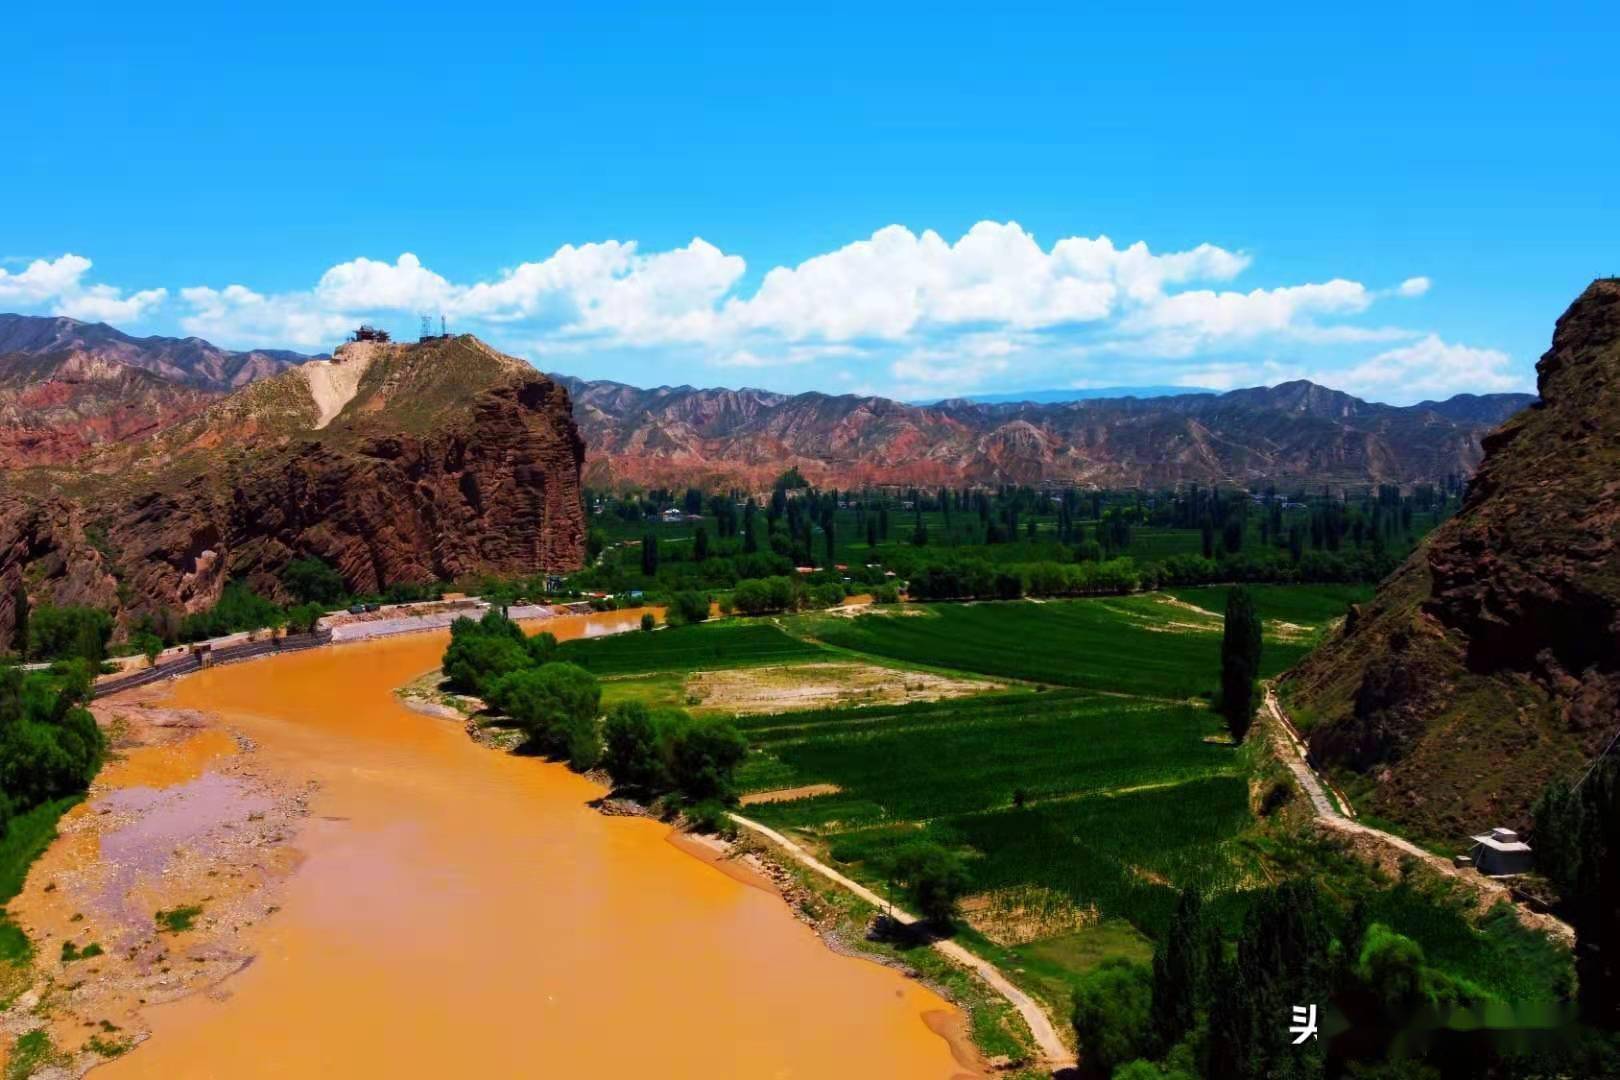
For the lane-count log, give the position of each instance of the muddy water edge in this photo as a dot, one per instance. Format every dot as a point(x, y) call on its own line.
point(396, 900)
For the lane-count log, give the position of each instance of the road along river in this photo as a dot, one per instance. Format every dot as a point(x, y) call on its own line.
point(462, 912)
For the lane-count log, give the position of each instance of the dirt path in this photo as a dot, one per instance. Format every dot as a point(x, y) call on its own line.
point(1056, 1055)
point(1291, 749)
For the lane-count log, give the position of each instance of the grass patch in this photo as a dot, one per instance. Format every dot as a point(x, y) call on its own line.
point(32, 1052)
point(28, 836)
point(71, 952)
point(177, 920)
point(727, 643)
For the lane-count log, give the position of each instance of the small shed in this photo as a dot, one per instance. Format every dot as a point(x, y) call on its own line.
point(1500, 853)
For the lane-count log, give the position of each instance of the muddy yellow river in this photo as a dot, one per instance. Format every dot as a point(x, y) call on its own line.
point(461, 912)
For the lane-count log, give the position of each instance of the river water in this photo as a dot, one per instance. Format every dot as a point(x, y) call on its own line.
point(462, 912)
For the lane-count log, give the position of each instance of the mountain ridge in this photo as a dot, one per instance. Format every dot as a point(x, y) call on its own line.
point(1501, 633)
point(1295, 431)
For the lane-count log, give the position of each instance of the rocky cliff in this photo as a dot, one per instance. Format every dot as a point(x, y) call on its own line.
point(1490, 662)
point(394, 463)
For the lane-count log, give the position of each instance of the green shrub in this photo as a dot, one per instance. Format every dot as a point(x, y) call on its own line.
point(557, 705)
point(60, 633)
point(933, 877)
point(686, 608)
point(1111, 1005)
point(313, 581)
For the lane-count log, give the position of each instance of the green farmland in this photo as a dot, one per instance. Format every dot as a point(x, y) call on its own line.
point(1084, 798)
point(683, 648)
point(1133, 644)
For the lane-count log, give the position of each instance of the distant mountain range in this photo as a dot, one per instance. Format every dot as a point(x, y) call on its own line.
point(1052, 397)
point(1296, 432)
point(69, 387)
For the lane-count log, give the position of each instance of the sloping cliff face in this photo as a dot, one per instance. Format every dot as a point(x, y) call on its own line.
point(1490, 662)
point(399, 463)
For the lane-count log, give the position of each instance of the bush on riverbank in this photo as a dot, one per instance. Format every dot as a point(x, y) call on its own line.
point(670, 751)
point(50, 746)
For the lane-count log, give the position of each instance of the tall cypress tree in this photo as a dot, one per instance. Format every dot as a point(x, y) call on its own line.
point(19, 620)
point(1577, 845)
point(1240, 662)
point(1184, 962)
point(649, 554)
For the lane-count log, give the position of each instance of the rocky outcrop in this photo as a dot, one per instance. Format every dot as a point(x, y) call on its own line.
point(448, 460)
point(1293, 433)
point(1490, 662)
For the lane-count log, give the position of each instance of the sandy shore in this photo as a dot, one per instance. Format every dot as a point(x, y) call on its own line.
point(179, 848)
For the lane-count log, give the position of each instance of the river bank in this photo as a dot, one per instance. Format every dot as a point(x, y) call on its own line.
point(456, 911)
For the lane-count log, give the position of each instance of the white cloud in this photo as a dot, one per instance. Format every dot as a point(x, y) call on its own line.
point(1429, 368)
point(1232, 375)
point(236, 315)
point(929, 314)
point(58, 286)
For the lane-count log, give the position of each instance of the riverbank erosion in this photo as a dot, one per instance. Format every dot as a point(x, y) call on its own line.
point(460, 912)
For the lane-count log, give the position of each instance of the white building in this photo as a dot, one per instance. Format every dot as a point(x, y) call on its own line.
point(1500, 853)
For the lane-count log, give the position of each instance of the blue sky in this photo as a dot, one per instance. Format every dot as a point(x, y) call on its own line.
point(1397, 200)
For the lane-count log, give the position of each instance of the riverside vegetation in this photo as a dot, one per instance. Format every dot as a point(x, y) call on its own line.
point(1104, 833)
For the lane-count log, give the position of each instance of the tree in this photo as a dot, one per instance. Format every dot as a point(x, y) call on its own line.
point(557, 704)
point(649, 554)
point(56, 633)
point(702, 753)
point(630, 748)
point(934, 879)
point(1577, 845)
point(1184, 961)
point(1240, 662)
point(647, 621)
point(872, 531)
point(688, 607)
point(700, 544)
point(19, 619)
point(827, 534)
point(313, 581)
point(1285, 957)
point(1111, 1014)
point(483, 651)
point(302, 619)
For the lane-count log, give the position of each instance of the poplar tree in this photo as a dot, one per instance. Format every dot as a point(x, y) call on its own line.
point(1240, 662)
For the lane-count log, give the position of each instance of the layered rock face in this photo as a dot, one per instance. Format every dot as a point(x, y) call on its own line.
point(395, 463)
point(1490, 662)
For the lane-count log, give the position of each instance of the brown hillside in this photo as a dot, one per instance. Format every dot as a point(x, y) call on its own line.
point(1490, 662)
point(394, 463)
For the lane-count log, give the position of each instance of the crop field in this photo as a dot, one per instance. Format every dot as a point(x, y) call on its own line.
point(965, 754)
point(683, 648)
point(1309, 605)
point(1132, 644)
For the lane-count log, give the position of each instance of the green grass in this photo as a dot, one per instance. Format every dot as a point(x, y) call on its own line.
point(1121, 644)
point(177, 920)
point(726, 643)
point(32, 1052)
point(71, 952)
point(28, 836)
point(1307, 605)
